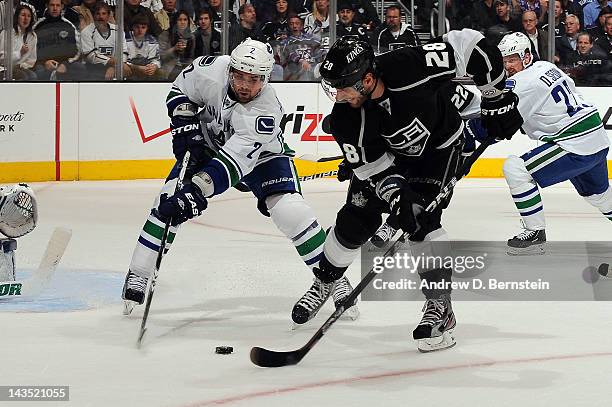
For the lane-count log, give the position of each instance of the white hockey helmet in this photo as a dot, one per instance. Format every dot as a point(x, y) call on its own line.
point(254, 57)
point(517, 43)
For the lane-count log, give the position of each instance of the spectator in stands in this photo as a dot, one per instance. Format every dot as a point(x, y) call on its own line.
point(531, 5)
point(317, 22)
point(559, 19)
point(143, 52)
point(536, 35)
point(365, 14)
point(207, 40)
point(504, 18)
point(592, 10)
point(599, 30)
point(300, 52)
point(24, 42)
point(132, 9)
point(86, 11)
point(98, 44)
point(265, 9)
point(247, 27)
point(57, 47)
point(167, 12)
point(484, 15)
point(591, 66)
point(345, 24)
point(69, 14)
point(153, 5)
point(216, 7)
point(566, 44)
point(277, 28)
point(177, 45)
point(396, 33)
point(605, 41)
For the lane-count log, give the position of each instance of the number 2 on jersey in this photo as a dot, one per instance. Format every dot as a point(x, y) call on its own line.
point(565, 92)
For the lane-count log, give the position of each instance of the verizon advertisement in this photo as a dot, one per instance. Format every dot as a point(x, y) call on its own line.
point(89, 122)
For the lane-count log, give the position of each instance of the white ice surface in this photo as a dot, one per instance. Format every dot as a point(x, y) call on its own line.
point(231, 279)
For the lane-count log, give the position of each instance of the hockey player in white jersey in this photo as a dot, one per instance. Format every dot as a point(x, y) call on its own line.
point(224, 113)
point(575, 142)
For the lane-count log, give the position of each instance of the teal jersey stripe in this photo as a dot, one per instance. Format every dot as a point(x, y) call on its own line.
point(583, 126)
point(544, 158)
point(231, 169)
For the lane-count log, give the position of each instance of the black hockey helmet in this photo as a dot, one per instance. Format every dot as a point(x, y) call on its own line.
point(347, 62)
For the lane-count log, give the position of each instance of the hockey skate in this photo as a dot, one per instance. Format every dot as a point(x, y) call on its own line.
point(435, 331)
point(528, 242)
point(133, 292)
point(383, 235)
point(307, 307)
point(342, 290)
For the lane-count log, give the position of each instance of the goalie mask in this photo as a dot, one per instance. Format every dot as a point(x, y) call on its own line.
point(346, 64)
point(519, 44)
point(18, 210)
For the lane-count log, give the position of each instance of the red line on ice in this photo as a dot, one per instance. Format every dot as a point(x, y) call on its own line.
point(398, 373)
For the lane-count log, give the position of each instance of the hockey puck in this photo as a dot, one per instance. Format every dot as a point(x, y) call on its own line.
point(224, 350)
point(604, 270)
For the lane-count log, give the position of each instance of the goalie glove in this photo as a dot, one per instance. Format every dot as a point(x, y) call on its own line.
point(18, 210)
point(500, 115)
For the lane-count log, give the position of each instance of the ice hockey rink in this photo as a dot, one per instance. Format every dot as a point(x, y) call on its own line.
point(231, 279)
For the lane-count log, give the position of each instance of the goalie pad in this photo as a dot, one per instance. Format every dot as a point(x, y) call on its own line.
point(18, 210)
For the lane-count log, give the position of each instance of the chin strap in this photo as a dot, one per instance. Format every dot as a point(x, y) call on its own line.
point(359, 88)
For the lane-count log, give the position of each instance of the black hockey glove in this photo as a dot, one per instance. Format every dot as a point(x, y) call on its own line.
point(182, 206)
point(500, 115)
point(187, 136)
point(344, 171)
point(406, 205)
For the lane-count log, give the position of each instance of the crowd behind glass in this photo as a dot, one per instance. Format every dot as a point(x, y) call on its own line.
point(154, 40)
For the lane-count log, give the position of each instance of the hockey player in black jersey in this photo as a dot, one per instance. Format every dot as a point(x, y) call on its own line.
point(402, 136)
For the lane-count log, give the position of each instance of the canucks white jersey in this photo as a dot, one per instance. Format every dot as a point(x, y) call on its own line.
point(555, 112)
point(243, 135)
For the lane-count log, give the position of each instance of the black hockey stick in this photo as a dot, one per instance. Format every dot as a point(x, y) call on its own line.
point(160, 253)
point(269, 358)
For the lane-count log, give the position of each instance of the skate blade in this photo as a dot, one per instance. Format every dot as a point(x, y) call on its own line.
point(444, 341)
point(534, 250)
point(128, 307)
point(351, 314)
